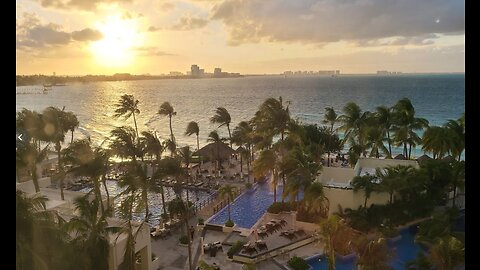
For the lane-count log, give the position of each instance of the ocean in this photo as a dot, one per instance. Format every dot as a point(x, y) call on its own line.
point(437, 98)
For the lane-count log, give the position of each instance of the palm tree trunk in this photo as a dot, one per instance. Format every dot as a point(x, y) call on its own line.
point(228, 206)
point(162, 193)
point(391, 197)
point(389, 144)
point(104, 181)
point(365, 203)
point(35, 178)
point(241, 164)
point(405, 149)
point(145, 199)
point(248, 170)
point(136, 128)
point(410, 151)
point(229, 135)
point(98, 194)
point(60, 171)
point(71, 140)
point(454, 194)
point(189, 241)
point(171, 131)
point(274, 188)
point(198, 148)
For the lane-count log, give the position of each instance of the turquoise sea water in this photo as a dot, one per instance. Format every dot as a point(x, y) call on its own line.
point(435, 97)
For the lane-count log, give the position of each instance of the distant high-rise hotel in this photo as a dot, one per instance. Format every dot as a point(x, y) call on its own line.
point(197, 71)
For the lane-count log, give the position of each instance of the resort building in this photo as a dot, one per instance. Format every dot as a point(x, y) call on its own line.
point(337, 182)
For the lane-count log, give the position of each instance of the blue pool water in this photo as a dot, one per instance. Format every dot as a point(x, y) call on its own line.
point(405, 250)
point(249, 206)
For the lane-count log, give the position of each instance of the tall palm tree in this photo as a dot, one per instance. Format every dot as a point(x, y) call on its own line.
point(193, 128)
point(375, 140)
point(272, 118)
point(186, 155)
point(227, 192)
point(128, 106)
point(56, 128)
point(31, 156)
point(367, 184)
point(393, 178)
point(268, 162)
point(384, 116)
point(406, 125)
point(71, 123)
point(437, 140)
point(331, 118)
point(457, 128)
point(166, 109)
point(223, 118)
point(90, 162)
point(180, 208)
point(91, 231)
point(242, 136)
point(354, 124)
point(315, 199)
point(374, 254)
point(329, 230)
point(168, 167)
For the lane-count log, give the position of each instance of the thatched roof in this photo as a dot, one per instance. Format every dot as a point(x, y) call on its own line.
point(400, 156)
point(423, 158)
point(210, 150)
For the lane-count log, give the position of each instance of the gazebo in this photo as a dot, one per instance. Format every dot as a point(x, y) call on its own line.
point(423, 158)
point(216, 150)
point(400, 156)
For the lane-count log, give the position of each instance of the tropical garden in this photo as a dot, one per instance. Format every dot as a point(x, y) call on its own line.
point(272, 144)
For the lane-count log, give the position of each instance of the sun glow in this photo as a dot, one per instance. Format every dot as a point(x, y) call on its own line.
point(116, 48)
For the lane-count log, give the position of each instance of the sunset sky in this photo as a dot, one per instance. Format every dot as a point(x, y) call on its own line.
point(78, 37)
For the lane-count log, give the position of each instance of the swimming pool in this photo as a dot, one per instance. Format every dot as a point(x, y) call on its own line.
point(249, 206)
point(154, 200)
point(404, 249)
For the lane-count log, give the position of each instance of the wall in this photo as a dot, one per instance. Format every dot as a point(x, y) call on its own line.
point(349, 199)
point(340, 175)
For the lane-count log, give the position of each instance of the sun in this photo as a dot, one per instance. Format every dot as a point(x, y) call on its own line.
point(120, 37)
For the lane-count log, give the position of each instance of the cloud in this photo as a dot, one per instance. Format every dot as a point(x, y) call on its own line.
point(89, 5)
point(87, 34)
point(153, 29)
point(423, 40)
point(151, 51)
point(325, 21)
point(189, 23)
point(31, 34)
point(167, 6)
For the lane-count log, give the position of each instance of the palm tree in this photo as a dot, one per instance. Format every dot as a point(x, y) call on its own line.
point(367, 183)
point(180, 208)
point(166, 109)
point(30, 156)
point(405, 125)
point(329, 230)
point(383, 115)
point(90, 230)
point(393, 178)
point(90, 162)
point(268, 162)
point(374, 254)
point(354, 123)
point(272, 118)
point(223, 118)
point(228, 192)
point(315, 199)
point(55, 127)
point(457, 129)
point(192, 128)
point(32, 123)
point(458, 178)
point(71, 123)
point(447, 253)
point(186, 155)
point(167, 167)
point(242, 136)
point(331, 118)
point(375, 140)
point(128, 106)
point(437, 140)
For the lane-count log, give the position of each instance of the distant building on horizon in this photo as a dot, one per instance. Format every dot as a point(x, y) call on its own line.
point(197, 71)
point(386, 72)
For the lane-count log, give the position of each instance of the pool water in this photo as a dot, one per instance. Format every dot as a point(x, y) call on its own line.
point(154, 200)
point(404, 249)
point(249, 206)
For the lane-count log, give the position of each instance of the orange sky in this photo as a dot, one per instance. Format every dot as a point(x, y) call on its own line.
point(77, 37)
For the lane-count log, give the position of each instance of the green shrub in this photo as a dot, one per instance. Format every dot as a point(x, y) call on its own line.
point(204, 266)
point(297, 263)
point(278, 207)
point(235, 248)
point(183, 239)
point(229, 223)
point(200, 221)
